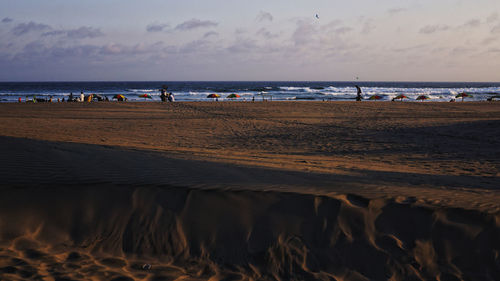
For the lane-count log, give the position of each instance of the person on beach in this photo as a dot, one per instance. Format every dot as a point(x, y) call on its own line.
point(358, 96)
point(171, 97)
point(82, 97)
point(70, 96)
point(19, 100)
point(163, 95)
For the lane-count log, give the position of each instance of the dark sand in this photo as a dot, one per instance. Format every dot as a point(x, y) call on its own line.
point(250, 191)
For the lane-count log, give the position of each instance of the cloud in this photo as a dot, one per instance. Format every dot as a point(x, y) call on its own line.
point(343, 30)
point(335, 27)
point(462, 50)
point(492, 18)
point(394, 11)
point(429, 29)
point(194, 24)
point(266, 33)
point(36, 52)
point(78, 33)
point(264, 16)
point(84, 32)
point(210, 34)
point(409, 49)
point(494, 50)
point(472, 23)
point(368, 26)
point(24, 28)
point(196, 46)
point(54, 33)
point(40, 52)
point(243, 46)
point(7, 20)
point(239, 31)
point(304, 33)
point(155, 27)
point(489, 40)
point(496, 29)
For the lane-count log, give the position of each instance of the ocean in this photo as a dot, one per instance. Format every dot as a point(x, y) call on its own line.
point(291, 90)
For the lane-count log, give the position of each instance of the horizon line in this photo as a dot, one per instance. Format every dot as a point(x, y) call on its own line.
point(273, 81)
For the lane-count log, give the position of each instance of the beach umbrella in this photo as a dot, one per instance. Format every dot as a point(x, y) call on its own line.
point(213, 96)
point(119, 97)
point(400, 97)
point(145, 96)
point(232, 96)
point(375, 97)
point(97, 96)
point(464, 95)
point(423, 97)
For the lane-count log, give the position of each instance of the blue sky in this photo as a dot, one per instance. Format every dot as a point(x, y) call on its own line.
point(386, 40)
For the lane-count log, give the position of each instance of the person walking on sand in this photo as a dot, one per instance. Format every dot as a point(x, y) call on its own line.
point(82, 97)
point(358, 96)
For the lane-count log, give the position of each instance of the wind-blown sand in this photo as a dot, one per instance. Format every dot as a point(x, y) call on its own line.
point(250, 191)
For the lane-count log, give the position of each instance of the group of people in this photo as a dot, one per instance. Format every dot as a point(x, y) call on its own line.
point(88, 98)
point(164, 96)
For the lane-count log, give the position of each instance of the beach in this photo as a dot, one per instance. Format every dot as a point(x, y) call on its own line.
point(275, 190)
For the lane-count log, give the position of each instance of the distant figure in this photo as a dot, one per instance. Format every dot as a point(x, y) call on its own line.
point(171, 97)
point(70, 97)
point(163, 95)
point(452, 100)
point(358, 97)
point(106, 98)
point(82, 97)
point(58, 100)
point(50, 99)
point(20, 100)
point(63, 100)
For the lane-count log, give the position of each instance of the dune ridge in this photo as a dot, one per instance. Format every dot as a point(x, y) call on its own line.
point(239, 235)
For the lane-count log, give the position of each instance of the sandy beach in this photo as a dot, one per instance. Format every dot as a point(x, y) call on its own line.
point(250, 191)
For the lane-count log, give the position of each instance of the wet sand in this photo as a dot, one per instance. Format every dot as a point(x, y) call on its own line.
point(250, 191)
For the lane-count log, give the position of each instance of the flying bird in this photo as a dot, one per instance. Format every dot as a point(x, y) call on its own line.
point(317, 16)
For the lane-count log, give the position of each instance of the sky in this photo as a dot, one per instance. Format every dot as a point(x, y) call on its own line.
point(237, 40)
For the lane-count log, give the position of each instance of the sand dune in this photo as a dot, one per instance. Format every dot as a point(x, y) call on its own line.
point(107, 233)
point(250, 191)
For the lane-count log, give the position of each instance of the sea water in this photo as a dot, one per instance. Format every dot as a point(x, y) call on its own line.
point(291, 90)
